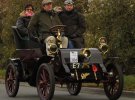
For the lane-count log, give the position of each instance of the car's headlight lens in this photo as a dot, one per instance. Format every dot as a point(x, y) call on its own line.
point(53, 48)
point(86, 52)
point(102, 40)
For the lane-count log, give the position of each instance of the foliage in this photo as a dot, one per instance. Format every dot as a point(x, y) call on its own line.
point(14, 8)
point(2, 73)
point(113, 19)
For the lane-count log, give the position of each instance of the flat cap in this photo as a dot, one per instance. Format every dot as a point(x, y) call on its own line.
point(46, 1)
point(68, 2)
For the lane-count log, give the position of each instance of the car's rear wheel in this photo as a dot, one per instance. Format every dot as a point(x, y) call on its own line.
point(45, 82)
point(11, 80)
point(74, 88)
point(113, 88)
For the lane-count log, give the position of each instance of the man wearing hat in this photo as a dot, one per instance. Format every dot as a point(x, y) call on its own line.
point(75, 24)
point(42, 21)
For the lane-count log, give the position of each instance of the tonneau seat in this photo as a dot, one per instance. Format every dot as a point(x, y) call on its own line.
point(25, 47)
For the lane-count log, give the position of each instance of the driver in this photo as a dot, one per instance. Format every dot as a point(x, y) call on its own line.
point(42, 21)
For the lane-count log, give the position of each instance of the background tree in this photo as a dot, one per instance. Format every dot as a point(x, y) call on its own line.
point(114, 19)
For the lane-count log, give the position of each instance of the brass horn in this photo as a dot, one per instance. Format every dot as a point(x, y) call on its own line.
point(103, 45)
point(59, 38)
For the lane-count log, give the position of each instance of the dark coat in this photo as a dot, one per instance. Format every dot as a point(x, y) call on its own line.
point(42, 22)
point(22, 24)
point(75, 23)
point(75, 26)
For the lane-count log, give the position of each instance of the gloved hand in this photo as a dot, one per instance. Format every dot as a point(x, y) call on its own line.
point(37, 39)
point(33, 38)
point(58, 9)
point(62, 34)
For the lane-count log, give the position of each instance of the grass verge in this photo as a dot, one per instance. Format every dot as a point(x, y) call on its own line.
point(129, 83)
point(2, 73)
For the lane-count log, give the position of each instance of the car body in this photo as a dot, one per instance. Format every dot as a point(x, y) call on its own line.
point(68, 66)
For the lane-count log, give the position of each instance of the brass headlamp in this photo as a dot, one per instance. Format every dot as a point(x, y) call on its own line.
point(103, 45)
point(53, 48)
point(86, 52)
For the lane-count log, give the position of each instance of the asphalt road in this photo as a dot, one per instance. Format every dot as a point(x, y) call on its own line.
point(30, 93)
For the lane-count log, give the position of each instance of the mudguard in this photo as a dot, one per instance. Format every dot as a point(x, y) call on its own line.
point(17, 63)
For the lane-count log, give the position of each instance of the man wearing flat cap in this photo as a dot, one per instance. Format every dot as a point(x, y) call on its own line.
point(75, 24)
point(42, 21)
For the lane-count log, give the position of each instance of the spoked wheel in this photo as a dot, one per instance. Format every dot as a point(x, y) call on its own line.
point(45, 82)
point(74, 88)
point(11, 80)
point(113, 88)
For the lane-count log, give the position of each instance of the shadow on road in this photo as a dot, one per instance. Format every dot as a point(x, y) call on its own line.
point(80, 97)
point(56, 97)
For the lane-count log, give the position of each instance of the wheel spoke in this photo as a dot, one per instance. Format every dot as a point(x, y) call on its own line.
point(12, 88)
point(9, 87)
point(113, 87)
point(44, 76)
point(41, 90)
point(112, 90)
point(46, 92)
point(11, 80)
point(73, 86)
point(109, 89)
point(44, 83)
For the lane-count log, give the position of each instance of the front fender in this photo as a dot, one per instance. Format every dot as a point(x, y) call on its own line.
point(17, 63)
point(113, 61)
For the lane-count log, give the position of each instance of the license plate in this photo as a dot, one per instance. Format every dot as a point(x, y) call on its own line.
point(73, 56)
point(76, 65)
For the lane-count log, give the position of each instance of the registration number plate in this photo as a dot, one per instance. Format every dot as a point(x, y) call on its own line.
point(73, 56)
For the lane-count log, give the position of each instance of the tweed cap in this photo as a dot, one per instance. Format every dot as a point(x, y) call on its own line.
point(46, 1)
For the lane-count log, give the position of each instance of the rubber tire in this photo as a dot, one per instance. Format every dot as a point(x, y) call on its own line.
point(121, 83)
point(77, 89)
point(15, 91)
point(50, 71)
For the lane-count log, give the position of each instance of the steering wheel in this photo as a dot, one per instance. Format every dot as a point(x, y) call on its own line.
point(55, 28)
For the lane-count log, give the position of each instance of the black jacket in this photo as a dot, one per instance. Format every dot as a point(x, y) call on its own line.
point(22, 24)
point(75, 23)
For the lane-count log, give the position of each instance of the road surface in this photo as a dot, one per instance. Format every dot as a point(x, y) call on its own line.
point(30, 93)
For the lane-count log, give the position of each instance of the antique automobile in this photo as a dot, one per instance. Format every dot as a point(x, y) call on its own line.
point(68, 66)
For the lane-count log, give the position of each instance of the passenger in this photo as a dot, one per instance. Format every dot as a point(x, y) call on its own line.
point(23, 20)
point(75, 24)
point(42, 22)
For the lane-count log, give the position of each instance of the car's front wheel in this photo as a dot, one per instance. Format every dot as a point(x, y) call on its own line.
point(74, 88)
point(113, 88)
point(45, 82)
